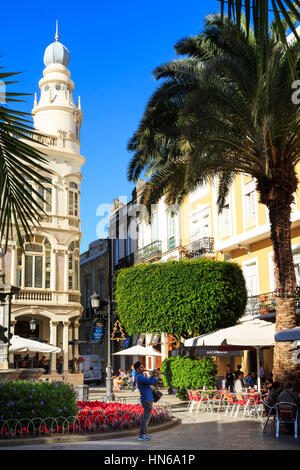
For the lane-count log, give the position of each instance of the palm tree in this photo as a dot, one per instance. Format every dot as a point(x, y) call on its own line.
point(19, 162)
point(223, 110)
point(258, 11)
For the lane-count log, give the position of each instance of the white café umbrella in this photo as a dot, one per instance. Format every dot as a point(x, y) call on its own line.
point(253, 333)
point(20, 345)
point(138, 351)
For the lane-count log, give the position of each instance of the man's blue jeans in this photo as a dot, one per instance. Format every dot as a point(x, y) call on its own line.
point(147, 405)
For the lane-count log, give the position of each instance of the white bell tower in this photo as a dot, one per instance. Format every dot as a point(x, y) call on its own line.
point(56, 113)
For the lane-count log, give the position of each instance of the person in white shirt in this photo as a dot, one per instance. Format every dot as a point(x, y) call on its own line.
point(239, 382)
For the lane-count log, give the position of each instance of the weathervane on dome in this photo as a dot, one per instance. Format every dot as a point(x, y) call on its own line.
point(56, 34)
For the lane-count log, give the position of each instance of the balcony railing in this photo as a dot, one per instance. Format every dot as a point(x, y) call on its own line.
point(148, 252)
point(263, 304)
point(34, 296)
point(199, 247)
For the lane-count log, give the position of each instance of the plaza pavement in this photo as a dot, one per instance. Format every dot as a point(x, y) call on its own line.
point(204, 431)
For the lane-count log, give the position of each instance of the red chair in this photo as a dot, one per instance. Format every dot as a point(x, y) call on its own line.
point(230, 401)
point(246, 402)
point(218, 401)
point(194, 398)
point(191, 402)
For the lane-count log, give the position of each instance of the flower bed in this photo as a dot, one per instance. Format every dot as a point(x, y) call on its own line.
point(91, 417)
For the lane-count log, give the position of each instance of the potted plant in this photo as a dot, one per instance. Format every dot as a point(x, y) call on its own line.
point(263, 304)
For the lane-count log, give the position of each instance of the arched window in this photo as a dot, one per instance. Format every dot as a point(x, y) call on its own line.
point(74, 259)
point(171, 229)
point(33, 268)
point(73, 199)
point(45, 192)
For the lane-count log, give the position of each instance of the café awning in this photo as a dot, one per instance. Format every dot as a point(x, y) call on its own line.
point(25, 345)
point(249, 334)
point(138, 351)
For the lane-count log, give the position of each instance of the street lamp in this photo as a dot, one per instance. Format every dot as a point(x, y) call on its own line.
point(95, 301)
point(32, 324)
point(7, 291)
point(97, 305)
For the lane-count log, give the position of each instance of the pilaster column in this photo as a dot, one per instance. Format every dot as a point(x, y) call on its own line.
point(65, 355)
point(76, 337)
point(53, 341)
point(12, 330)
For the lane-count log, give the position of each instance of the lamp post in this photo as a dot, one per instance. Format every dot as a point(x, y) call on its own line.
point(6, 293)
point(97, 305)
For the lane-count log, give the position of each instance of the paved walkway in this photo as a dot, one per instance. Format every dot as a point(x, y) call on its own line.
point(201, 432)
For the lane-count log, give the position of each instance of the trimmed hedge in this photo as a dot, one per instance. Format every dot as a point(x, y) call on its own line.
point(180, 297)
point(21, 399)
point(184, 373)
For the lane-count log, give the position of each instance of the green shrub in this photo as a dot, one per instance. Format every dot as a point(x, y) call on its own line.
point(185, 373)
point(21, 399)
point(180, 297)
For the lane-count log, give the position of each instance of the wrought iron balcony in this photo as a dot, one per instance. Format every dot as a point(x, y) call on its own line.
point(265, 304)
point(199, 247)
point(151, 251)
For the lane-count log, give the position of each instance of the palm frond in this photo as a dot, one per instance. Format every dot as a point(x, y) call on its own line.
point(20, 164)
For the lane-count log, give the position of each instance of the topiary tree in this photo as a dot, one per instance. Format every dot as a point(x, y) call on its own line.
point(183, 298)
point(185, 373)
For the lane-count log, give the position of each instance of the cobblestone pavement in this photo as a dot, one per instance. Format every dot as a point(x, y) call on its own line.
point(202, 432)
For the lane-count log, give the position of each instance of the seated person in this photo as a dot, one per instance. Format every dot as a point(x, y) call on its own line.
point(251, 379)
point(273, 393)
point(238, 370)
point(239, 383)
point(289, 395)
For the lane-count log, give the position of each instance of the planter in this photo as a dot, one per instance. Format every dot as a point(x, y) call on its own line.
point(263, 311)
point(10, 374)
point(31, 374)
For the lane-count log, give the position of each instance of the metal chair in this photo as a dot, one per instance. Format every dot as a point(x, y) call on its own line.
point(270, 411)
point(286, 413)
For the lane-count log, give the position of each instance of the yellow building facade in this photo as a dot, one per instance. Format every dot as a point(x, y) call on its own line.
point(241, 234)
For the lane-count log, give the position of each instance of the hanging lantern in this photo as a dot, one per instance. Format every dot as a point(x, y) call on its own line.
point(32, 324)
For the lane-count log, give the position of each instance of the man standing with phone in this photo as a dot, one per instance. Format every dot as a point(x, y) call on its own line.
point(144, 386)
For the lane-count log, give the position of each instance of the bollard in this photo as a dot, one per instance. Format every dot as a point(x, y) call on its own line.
point(82, 392)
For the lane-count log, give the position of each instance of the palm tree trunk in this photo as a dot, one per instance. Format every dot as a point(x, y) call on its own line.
point(285, 281)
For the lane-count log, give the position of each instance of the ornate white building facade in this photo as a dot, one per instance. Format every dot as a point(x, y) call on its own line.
point(48, 272)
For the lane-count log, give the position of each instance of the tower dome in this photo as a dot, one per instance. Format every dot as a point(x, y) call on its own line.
point(56, 53)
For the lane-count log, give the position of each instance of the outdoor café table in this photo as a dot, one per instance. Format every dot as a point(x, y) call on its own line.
point(207, 396)
point(256, 397)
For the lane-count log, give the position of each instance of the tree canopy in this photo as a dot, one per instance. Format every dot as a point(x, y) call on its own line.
point(180, 297)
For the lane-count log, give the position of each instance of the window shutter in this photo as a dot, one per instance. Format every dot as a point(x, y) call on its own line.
point(28, 270)
point(38, 274)
point(76, 275)
point(71, 203)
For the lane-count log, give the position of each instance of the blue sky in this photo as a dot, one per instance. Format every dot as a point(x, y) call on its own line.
point(114, 48)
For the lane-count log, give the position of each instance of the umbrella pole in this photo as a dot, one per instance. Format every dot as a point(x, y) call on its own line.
point(258, 373)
